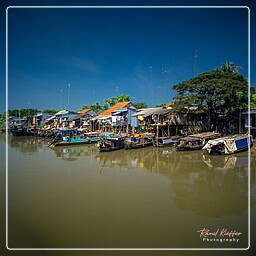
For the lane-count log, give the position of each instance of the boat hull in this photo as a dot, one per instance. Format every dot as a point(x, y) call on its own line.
point(106, 149)
point(189, 148)
point(215, 152)
point(134, 146)
point(65, 143)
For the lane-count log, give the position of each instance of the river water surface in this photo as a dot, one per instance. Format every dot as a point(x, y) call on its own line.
point(77, 197)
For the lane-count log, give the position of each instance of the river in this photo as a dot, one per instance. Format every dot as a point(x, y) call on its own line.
point(77, 197)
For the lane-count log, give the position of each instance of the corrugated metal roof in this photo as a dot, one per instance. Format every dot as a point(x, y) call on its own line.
point(61, 112)
point(151, 111)
point(117, 105)
point(144, 111)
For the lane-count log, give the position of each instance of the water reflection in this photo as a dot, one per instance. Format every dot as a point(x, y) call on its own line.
point(211, 186)
point(25, 144)
point(73, 153)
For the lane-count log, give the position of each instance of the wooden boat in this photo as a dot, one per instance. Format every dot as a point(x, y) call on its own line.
point(139, 141)
point(69, 137)
point(229, 145)
point(196, 141)
point(21, 132)
point(111, 143)
point(166, 141)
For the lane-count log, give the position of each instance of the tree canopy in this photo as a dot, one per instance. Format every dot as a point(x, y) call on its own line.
point(140, 105)
point(25, 112)
point(219, 93)
point(95, 107)
point(160, 105)
point(109, 102)
point(50, 111)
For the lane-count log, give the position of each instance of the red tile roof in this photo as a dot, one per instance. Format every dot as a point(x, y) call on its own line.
point(168, 104)
point(113, 108)
point(84, 110)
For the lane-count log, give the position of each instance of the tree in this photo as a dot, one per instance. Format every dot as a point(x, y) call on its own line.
point(25, 112)
point(221, 94)
point(140, 105)
point(50, 111)
point(95, 107)
point(228, 67)
point(113, 100)
point(160, 105)
point(253, 97)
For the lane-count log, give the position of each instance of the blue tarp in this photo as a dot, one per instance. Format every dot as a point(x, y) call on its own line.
point(242, 143)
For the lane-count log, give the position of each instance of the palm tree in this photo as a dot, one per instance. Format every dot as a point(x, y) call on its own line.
point(229, 67)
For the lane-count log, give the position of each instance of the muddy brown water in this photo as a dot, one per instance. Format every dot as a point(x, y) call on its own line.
point(77, 197)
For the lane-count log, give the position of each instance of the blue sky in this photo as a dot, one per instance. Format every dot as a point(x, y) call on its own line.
point(105, 52)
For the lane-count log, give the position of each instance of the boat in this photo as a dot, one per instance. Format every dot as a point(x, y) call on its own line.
point(196, 141)
point(111, 143)
point(139, 141)
point(166, 141)
point(70, 137)
point(229, 144)
point(21, 131)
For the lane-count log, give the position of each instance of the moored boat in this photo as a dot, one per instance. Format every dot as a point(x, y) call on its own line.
point(21, 131)
point(166, 141)
point(69, 137)
point(229, 144)
point(111, 143)
point(196, 141)
point(139, 141)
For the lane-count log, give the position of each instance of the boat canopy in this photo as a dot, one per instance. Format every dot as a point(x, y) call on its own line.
point(231, 143)
point(203, 135)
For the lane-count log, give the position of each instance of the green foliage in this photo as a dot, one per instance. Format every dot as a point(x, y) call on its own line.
point(119, 98)
point(140, 105)
point(29, 112)
point(160, 105)
point(253, 100)
point(50, 111)
point(109, 102)
point(95, 107)
point(217, 93)
point(2, 125)
point(228, 67)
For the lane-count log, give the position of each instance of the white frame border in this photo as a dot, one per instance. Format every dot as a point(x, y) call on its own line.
point(123, 249)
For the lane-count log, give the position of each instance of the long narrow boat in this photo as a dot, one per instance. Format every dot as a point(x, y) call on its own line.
point(229, 145)
point(166, 141)
point(139, 141)
point(111, 143)
point(61, 140)
point(21, 131)
point(196, 141)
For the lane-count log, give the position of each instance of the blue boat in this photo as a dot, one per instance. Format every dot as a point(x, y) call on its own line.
point(229, 144)
point(71, 137)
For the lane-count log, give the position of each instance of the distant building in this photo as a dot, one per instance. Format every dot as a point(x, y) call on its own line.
point(60, 119)
point(118, 117)
point(40, 118)
point(17, 122)
point(82, 120)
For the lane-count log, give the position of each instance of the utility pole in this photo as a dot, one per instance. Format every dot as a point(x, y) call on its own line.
point(68, 94)
point(61, 91)
point(195, 57)
point(151, 81)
